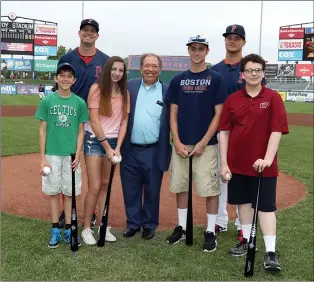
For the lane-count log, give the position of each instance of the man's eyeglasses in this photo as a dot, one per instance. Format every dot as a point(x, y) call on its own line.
point(250, 71)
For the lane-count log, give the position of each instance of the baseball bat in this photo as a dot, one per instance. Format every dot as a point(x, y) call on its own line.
point(250, 256)
point(74, 238)
point(189, 220)
point(104, 219)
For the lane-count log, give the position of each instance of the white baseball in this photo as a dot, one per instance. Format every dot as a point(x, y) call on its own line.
point(116, 159)
point(46, 170)
point(228, 176)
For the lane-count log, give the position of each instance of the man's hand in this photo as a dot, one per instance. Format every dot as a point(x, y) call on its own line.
point(260, 164)
point(76, 162)
point(181, 149)
point(198, 149)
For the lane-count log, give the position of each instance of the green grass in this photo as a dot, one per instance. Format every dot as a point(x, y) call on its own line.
point(301, 108)
point(19, 135)
point(25, 255)
point(19, 99)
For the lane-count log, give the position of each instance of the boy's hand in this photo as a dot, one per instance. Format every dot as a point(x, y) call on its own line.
point(42, 165)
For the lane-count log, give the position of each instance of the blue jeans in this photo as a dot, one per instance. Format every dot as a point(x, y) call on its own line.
point(92, 147)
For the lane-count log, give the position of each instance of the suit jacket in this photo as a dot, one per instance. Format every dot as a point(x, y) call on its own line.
point(164, 146)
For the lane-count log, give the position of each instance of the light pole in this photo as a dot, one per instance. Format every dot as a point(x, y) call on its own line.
point(82, 10)
point(260, 31)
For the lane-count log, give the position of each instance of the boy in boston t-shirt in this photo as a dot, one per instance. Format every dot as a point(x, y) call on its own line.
point(196, 97)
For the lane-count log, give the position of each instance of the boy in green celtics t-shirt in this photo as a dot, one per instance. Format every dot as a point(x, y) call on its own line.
point(62, 115)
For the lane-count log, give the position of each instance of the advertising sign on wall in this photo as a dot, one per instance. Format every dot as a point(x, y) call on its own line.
point(282, 94)
point(288, 55)
point(17, 48)
point(169, 63)
point(18, 64)
point(286, 70)
point(8, 89)
point(27, 89)
point(45, 40)
point(290, 44)
point(300, 96)
point(45, 29)
point(304, 70)
point(45, 65)
point(308, 49)
point(291, 33)
point(45, 50)
point(271, 70)
point(48, 89)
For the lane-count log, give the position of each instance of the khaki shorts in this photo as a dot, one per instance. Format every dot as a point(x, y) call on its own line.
point(60, 178)
point(205, 172)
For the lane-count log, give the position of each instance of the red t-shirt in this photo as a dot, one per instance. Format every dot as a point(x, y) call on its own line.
point(86, 59)
point(251, 122)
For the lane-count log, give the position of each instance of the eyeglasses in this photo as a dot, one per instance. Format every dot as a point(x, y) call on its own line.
point(250, 71)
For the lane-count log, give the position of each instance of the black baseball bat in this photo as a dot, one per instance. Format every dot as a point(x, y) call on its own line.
point(104, 219)
point(250, 256)
point(74, 237)
point(189, 220)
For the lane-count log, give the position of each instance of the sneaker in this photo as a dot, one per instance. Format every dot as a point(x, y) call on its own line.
point(240, 235)
point(67, 237)
point(93, 221)
point(177, 235)
point(88, 237)
point(109, 236)
point(271, 262)
point(62, 220)
point(219, 229)
point(55, 238)
point(210, 243)
point(240, 249)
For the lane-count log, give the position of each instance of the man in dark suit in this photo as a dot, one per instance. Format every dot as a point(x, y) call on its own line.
point(146, 150)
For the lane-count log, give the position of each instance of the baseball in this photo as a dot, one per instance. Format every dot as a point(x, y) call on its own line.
point(116, 159)
point(46, 170)
point(228, 176)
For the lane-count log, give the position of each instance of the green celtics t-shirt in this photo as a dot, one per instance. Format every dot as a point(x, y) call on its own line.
point(63, 117)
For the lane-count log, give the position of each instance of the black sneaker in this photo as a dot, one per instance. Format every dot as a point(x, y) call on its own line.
point(219, 229)
point(271, 262)
point(177, 235)
point(62, 220)
point(240, 249)
point(210, 243)
point(93, 221)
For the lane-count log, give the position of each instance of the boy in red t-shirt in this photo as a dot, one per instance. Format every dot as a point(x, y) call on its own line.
point(251, 124)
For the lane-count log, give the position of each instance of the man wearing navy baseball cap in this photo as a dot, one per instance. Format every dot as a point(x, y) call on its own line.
point(88, 63)
point(229, 68)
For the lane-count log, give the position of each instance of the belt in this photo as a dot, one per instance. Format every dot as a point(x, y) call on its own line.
point(144, 145)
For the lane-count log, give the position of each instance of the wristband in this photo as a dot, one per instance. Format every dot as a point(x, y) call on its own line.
point(102, 139)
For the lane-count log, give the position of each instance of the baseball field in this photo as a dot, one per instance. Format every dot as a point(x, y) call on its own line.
point(25, 217)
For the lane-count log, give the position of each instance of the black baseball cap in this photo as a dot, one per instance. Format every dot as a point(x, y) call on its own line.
point(65, 66)
point(235, 29)
point(90, 22)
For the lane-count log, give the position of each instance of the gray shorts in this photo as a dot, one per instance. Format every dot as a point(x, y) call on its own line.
point(60, 178)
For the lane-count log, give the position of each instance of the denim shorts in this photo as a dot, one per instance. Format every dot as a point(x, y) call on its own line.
point(92, 147)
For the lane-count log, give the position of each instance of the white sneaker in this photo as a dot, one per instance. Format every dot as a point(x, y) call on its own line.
point(109, 236)
point(88, 237)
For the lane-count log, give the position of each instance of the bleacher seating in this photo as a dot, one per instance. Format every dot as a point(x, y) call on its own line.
point(288, 86)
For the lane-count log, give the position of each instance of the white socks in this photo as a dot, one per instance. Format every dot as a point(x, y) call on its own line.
point(270, 243)
point(247, 231)
point(211, 221)
point(182, 216)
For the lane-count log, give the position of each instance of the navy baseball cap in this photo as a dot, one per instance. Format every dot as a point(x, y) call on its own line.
point(235, 29)
point(65, 66)
point(90, 22)
point(198, 39)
